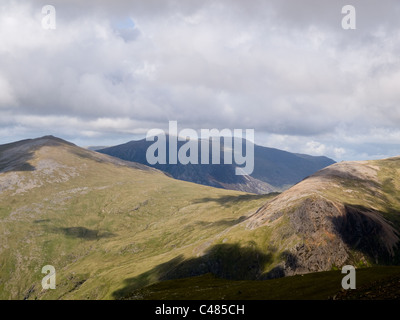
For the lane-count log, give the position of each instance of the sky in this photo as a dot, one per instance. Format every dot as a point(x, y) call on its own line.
point(112, 70)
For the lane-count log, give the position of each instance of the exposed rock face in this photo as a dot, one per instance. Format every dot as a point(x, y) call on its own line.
point(331, 231)
point(321, 246)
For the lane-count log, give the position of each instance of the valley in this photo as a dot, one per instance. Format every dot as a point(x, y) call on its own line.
point(111, 228)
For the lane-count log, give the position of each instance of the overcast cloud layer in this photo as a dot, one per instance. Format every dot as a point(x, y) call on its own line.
point(113, 70)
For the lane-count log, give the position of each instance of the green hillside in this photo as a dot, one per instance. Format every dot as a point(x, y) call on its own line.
point(111, 228)
point(99, 221)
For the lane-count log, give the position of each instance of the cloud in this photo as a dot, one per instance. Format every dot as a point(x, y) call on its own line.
point(285, 69)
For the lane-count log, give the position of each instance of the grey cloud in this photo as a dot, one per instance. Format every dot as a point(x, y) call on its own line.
point(284, 68)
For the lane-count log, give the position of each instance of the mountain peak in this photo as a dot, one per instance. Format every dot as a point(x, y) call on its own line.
point(27, 144)
point(21, 155)
point(17, 155)
point(50, 139)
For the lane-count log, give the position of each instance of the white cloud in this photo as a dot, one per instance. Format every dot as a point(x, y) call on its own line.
point(7, 98)
point(339, 153)
point(315, 148)
point(286, 69)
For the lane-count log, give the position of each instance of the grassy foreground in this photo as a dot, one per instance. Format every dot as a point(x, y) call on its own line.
point(319, 286)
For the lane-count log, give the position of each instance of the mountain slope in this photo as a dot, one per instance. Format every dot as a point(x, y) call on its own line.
point(283, 169)
point(274, 169)
point(111, 227)
point(98, 220)
point(219, 176)
point(346, 213)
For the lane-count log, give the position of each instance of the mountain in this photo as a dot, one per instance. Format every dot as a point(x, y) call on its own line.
point(345, 214)
point(283, 169)
point(274, 170)
point(98, 220)
point(112, 227)
point(348, 212)
point(94, 148)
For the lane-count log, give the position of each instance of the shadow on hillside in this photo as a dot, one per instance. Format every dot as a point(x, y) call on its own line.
point(227, 261)
point(41, 220)
point(83, 233)
point(17, 163)
point(290, 264)
point(25, 167)
point(366, 231)
point(221, 223)
point(228, 201)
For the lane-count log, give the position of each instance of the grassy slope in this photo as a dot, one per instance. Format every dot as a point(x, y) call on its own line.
point(100, 224)
point(384, 196)
point(110, 230)
point(381, 194)
point(271, 241)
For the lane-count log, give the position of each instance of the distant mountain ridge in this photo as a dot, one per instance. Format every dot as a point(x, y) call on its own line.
point(274, 169)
